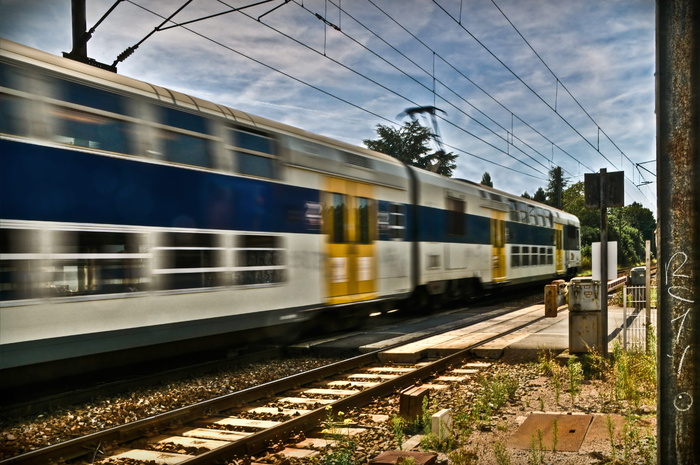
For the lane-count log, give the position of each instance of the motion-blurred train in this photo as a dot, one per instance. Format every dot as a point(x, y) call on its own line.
point(135, 216)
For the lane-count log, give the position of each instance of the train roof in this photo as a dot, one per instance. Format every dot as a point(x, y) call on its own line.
point(105, 78)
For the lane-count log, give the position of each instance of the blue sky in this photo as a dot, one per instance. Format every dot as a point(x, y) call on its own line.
point(511, 109)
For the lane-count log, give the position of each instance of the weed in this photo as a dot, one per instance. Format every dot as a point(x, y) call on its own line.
point(575, 377)
point(398, 424)
point(536, 452)
point(611, 435)
point(342, 450)
point(502, 455)
point(555, 435)
point(432, 441)
point(462, 456)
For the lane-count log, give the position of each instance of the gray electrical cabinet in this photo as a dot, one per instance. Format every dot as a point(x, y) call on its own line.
point(585, 314)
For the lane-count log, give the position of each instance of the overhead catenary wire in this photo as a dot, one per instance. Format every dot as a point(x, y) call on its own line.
point(559, 82)
point(510, 135)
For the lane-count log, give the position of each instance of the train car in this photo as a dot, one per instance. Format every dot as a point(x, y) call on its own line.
point(472, 239)
point(134, 216)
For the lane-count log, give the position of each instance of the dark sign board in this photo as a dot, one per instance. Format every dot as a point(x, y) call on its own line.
point(614, 192)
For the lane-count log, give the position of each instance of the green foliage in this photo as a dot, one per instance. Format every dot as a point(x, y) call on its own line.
point(342, 450)
point(410, 144)
point(575, 377)
point(486, 179)
point(630, 226)
point(502, 455)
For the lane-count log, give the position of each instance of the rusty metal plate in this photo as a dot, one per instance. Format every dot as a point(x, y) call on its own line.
point(392, 457)
point(571, 430)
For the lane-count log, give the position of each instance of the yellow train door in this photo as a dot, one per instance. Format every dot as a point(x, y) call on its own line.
point(350, 226)
point(498, 245)
point(559, 245)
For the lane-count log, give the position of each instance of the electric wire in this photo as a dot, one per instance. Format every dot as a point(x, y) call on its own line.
point(474, 84)
point(559, 81)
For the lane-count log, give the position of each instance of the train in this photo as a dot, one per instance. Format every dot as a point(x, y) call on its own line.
point(136, 217)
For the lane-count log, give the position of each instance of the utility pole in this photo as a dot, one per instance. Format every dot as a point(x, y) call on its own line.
point(678, 168)
point(81, 35)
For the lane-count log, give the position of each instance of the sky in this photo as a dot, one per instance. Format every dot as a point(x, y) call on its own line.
point(522, 85)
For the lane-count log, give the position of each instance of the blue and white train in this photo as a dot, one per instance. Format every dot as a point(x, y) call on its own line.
point(134, 216)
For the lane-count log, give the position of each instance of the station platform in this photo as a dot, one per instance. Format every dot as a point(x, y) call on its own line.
point(532, 333)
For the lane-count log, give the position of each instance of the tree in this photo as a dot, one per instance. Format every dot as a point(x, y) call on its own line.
point(409, 143)
point(540, 196)
point(526, 195)
point(626, 225)
point(555, 187)
point(486, 179)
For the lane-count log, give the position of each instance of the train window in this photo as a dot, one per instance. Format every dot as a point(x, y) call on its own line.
point(534, 259)
point(525, 257)
point(184, 120)
point(532, 213)
point(259, 260)
point(364, 227)
point(547, 218)
point(455, 216)
point(15, 115)
point(256, 142)
point(543, 256)
point(254, 153)
point(189, 260)
point(571, 239)
point(88, 262)
point(255, 165)
point(91, 97)
point(515, 256)
point(550, 256)
point(514, 216)
point(20, 267)
point(337, 212)
point(93, 131)
point(523, 213)
point(396, 221)
point(185, 149)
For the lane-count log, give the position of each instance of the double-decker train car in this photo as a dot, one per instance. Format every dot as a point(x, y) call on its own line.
point(133, 216)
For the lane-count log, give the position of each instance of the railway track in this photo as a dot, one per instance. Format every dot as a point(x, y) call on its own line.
point(250, 421)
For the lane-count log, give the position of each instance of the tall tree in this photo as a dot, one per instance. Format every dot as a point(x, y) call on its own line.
point(486, 179)
point(410, 144)
point(540, 196)
point(555, 187)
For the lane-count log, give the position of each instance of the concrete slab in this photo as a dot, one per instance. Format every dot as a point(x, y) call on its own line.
point(161, 458)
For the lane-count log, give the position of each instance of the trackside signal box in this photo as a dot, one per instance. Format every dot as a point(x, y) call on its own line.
point(585, 330)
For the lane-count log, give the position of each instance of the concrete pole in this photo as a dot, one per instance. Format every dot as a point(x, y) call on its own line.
point(678, 165)
point(603, 265)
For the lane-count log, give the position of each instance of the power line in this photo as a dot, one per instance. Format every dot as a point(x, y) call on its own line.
point(597, 149)
point(559, 81)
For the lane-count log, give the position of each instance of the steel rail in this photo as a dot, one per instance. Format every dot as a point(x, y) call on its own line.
point(91, 444)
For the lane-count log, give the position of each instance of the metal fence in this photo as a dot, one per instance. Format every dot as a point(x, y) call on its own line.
point(634, 314)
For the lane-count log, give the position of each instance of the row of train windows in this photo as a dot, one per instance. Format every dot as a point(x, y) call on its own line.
point(80, 263)
point(531, 256)
point(529, 214)
point(251, 152)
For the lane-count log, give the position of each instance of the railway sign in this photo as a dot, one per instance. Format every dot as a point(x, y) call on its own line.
point(614, 189)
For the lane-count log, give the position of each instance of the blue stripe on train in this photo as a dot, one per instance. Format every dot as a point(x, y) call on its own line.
point(57, 184)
